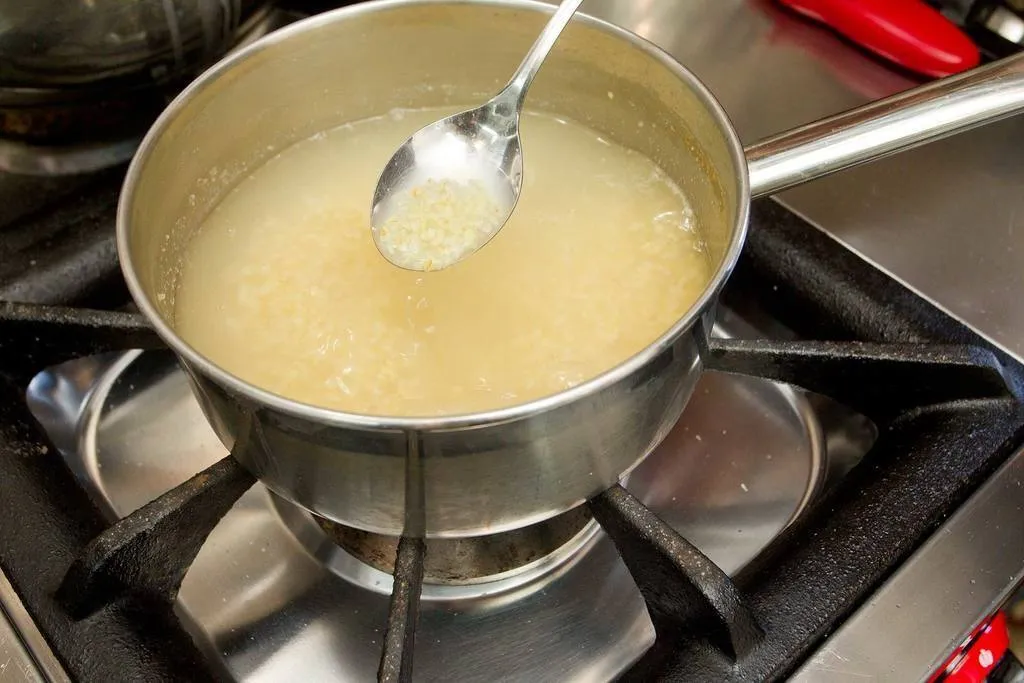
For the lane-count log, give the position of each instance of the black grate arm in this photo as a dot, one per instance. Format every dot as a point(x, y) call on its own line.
point(149, 552)
point(404, 610)
point(403, 613)
point(881, 381)
point(685, 592)
point(33, 337)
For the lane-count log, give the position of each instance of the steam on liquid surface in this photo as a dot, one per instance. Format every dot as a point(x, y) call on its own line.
point(284, 288)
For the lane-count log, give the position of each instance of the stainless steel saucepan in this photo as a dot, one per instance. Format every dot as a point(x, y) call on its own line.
point(497, 470)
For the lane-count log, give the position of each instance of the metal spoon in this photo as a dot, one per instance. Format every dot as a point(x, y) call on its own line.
point(476, 146)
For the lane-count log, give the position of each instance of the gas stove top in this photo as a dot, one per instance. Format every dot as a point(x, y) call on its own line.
point(806, 502)
point(774, 532)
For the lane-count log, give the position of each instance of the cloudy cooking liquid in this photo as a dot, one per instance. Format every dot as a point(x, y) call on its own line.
point(283, 287)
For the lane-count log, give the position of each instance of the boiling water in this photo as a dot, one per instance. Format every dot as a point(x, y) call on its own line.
point(283, 287)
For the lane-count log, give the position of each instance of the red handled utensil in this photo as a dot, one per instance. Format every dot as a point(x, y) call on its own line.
point(906, 32)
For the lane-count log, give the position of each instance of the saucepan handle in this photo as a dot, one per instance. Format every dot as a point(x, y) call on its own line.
point(890, 125)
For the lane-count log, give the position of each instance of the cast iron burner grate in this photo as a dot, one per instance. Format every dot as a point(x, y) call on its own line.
point(948, 408)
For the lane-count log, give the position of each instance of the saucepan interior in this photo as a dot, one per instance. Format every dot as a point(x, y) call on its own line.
point(365, 60)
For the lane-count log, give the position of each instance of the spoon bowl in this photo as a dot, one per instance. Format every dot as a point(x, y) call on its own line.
point(479, 145)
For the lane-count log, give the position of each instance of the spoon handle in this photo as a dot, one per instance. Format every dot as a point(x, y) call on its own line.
point(542, 46)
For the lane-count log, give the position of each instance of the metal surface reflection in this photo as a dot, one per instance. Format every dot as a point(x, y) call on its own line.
point(947, 219)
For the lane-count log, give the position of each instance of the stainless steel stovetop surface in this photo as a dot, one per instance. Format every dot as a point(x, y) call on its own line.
point(947, 219)
point(271, 598)
point(25, 656)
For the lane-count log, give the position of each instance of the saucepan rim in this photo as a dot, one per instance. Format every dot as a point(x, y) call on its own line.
point(439, 423)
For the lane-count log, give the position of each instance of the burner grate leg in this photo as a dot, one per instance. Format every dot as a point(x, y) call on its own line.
point(148, 552)
point(404, 610)
point(400, 634)
point(685, 592)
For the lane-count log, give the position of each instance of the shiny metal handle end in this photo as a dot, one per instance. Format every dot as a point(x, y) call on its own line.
point(890, 125)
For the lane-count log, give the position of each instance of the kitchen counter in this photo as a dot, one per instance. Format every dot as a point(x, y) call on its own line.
point(947, 219)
